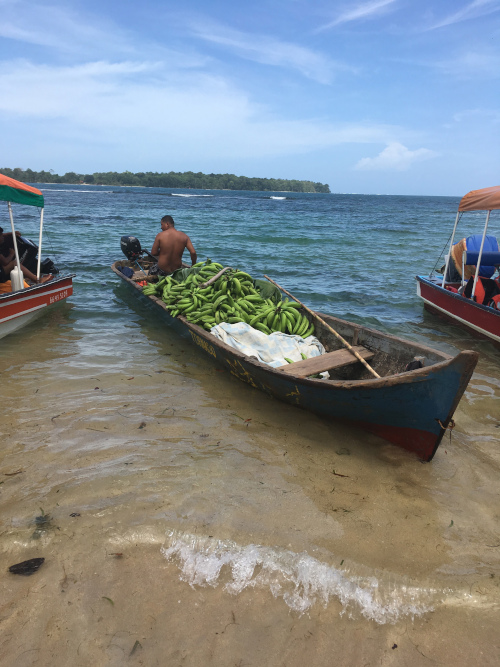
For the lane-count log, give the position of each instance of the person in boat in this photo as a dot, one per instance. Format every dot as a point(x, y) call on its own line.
point(169, 246)
point(8, 260)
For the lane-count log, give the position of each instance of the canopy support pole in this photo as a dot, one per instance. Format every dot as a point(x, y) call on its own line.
point(478, 265)
point(451, 246)
point(39, 247)
point(14, 238)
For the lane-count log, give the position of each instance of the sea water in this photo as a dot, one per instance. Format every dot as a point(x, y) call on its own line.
point(187, 519)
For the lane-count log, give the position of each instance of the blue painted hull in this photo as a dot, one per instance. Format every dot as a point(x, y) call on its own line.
point(410, 409)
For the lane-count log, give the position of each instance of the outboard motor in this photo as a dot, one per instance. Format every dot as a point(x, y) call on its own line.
point(131, 247)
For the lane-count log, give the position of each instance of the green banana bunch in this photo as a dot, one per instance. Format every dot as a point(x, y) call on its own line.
point(232, 298)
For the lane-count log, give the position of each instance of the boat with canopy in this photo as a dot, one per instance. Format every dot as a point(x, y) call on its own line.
point(20, 300)
point(462, 293)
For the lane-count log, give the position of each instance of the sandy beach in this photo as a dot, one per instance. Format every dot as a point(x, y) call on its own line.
point(185, 519)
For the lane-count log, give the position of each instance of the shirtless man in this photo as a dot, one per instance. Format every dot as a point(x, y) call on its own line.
point(169, 245)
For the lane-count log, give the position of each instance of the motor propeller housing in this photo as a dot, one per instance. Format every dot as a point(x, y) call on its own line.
point(131, 247)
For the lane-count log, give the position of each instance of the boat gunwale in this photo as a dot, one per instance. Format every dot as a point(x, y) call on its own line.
point(32, 289)
point(455, 295)
point(405, 377)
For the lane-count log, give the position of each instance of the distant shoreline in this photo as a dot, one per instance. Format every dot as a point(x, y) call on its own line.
point(171, 180)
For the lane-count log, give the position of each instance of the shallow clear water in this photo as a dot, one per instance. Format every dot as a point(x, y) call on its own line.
point(214, 525)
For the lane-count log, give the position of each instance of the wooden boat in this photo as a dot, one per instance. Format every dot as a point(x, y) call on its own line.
point(469, 297)
point(19, 307)
point(411, 409)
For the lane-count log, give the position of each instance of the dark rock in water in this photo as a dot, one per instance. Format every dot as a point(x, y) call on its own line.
point(27, 567)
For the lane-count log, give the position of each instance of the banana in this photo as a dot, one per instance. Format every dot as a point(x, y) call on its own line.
point(258, 316)
point(219, 300)
point(291, 316)
point(299, 323)
point(237, 285)
point(182, 305)
point(263, 328)
point(290, 361)
point(290, 322)
point(309, 331)
point(303, 328)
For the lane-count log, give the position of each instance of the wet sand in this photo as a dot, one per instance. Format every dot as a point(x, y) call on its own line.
point(217, 527)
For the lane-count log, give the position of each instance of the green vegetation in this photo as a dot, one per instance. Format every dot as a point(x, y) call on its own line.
point(173, 179)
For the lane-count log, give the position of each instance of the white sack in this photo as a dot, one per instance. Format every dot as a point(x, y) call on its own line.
point(270, 350)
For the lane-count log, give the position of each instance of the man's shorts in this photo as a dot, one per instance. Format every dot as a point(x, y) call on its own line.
point(156, 271)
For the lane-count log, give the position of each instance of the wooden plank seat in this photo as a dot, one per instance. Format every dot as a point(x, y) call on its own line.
point(326, 362)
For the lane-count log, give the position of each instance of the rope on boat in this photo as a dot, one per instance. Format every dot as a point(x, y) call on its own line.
point(450, 426)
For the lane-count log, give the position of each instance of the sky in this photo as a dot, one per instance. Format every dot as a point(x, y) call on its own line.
point(371, 97)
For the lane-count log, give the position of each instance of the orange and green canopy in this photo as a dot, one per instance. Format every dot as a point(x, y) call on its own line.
point(20, 193)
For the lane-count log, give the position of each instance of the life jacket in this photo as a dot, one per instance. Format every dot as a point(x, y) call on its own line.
point(495, 302)
point(487, 290)
point(480, 292)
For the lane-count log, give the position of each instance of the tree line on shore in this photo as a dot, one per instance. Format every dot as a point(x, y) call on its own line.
point(172, 179)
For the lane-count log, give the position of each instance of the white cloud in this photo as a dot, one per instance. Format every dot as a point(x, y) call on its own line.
point(477, 115)
point(146, 108)
point(473, 10)
point(471, 64)
point(66, 33)
point(271, 51)
point(395, 157)
point(59, 28)
point(364, 11)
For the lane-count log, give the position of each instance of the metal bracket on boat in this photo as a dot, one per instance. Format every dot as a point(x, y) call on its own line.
point(216, 277)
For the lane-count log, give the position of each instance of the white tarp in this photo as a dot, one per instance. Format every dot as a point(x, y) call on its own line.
point(270, 350)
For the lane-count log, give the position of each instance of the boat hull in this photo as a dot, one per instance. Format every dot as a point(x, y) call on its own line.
point(17, 309)
point(481, 320)
point(411, 410)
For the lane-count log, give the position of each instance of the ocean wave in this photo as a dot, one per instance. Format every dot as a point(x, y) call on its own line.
point(98, 192)
point(179, 194)
point(299, 579)
point(277, 197)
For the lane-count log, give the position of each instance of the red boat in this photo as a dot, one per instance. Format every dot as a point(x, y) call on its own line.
point(463, 293)
point(20, 301)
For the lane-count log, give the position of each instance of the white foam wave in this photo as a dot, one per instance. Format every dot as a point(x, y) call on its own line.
point(277, 197)
point(99, 192)
point(299, 579)
point(179, 194)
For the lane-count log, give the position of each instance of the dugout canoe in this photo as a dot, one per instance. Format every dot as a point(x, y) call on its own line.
point(409, 408)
